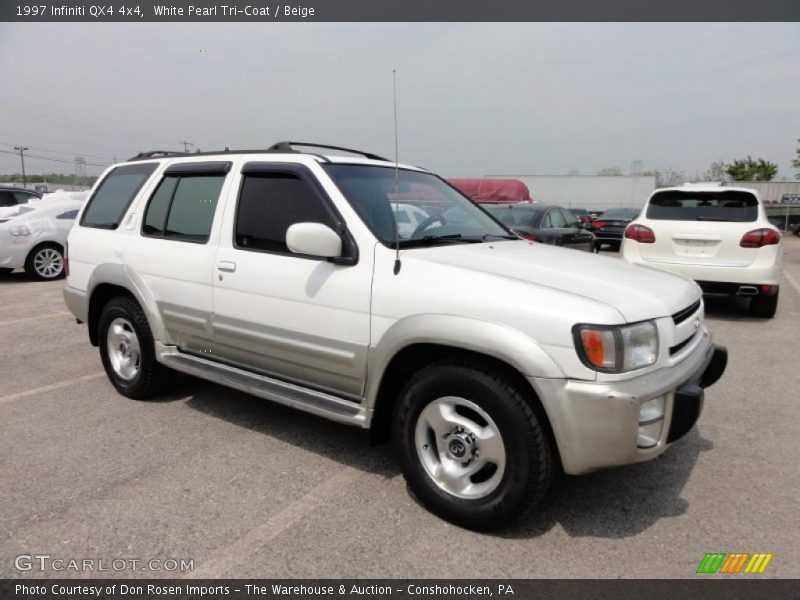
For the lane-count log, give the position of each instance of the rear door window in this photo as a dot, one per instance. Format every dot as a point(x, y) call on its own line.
point(22, 197)
point(557, 220)
point(115, 193)
point(674, 205)
point(183, 207)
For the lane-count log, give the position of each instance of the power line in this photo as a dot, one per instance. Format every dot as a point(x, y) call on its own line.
point(75, 127)
point(58, 151)
point(59, 160)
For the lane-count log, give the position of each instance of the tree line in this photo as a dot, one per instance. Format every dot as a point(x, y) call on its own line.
point(743, 169)
point(54, 178)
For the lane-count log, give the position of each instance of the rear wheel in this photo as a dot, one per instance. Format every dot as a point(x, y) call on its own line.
point(45, 262)
point(128, 351)
point(472, 449)
point(764, 306)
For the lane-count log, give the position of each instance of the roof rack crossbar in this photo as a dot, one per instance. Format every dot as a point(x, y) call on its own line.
point(157, 153)
point(287, 147)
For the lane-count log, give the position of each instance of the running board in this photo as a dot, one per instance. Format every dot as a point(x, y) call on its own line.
point(312, 401)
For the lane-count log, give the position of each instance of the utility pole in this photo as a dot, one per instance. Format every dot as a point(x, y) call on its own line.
point(22, 158)
point(80, 169)
point(186, 145)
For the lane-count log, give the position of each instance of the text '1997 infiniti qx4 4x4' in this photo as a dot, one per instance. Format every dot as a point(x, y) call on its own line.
point(488, 360)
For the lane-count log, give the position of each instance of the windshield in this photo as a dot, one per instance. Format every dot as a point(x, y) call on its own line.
point(425, 210)
point(703, 206)
point(516, 216)
point(619, 213)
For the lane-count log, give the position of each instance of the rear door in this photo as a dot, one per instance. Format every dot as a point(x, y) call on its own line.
point(175, 254)
point(703, 227)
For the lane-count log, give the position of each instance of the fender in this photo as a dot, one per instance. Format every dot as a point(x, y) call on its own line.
point(500, 341)
point(118, 274)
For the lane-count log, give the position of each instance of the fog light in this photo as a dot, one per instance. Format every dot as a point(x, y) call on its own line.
point(651, 422)
point(651, 411)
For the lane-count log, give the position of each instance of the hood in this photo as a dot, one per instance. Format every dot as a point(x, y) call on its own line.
point(636, 292)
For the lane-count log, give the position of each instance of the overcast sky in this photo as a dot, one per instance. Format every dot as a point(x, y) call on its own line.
point(473, 98)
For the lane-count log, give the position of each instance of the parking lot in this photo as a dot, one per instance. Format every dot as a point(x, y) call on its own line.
point(247, 488)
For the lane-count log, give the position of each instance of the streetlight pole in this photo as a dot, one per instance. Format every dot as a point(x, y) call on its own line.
point(22, 158)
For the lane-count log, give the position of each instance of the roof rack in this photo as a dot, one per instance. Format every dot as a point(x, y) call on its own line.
point(157, 154)
point(287, 147)
point(278, 148)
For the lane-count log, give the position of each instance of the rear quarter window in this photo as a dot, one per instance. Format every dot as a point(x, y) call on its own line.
point(115, 193)
point(736, 206)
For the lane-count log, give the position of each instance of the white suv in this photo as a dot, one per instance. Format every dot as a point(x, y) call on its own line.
point(489, 360)
point(718, 236)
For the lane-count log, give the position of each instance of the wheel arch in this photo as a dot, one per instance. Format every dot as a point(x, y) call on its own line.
point(409, 346)
point(111, 281)
point(41, 243)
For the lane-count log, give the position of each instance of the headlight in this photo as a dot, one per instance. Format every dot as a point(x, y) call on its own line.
point(19, 230)
point(615, 349)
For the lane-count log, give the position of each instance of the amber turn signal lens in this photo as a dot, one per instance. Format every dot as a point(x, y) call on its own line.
point(592, 341)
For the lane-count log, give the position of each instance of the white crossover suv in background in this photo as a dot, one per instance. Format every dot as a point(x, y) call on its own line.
point(718, 236)
point(488, 360)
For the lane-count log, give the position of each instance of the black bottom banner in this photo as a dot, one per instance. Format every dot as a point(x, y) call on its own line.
point(340, 589)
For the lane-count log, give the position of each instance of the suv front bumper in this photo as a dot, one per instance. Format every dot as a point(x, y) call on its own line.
point(597, 424)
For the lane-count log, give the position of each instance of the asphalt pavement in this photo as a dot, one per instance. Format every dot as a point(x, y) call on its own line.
point(247, 488)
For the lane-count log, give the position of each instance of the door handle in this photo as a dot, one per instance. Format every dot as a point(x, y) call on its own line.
point(226, 265)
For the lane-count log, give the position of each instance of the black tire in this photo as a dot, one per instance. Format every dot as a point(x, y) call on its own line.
point(529, 456)
point(149, 379)
point(764, 307)
point(615, 246)
point(35, 270)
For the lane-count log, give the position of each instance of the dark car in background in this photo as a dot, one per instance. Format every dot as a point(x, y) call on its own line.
point(583, 215)
point(609, 226)
point(547, 224)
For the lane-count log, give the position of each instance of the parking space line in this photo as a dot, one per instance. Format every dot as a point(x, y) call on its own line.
point(25, 319)
point(231, 557)
point(792, 281)
point(51, 387)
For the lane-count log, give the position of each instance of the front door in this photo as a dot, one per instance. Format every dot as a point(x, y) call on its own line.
point(298, 318)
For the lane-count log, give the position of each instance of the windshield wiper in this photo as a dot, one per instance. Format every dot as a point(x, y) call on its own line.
point(435, 239)
point(491, 236)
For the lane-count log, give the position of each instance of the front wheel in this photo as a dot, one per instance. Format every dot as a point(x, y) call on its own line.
point(471, 447)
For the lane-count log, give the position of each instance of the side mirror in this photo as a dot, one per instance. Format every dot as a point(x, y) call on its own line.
point(314, 239)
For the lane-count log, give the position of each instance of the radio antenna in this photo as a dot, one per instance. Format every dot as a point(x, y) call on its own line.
point(396, 182)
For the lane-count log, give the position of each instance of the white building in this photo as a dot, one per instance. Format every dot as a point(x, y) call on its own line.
point(592, 192)
point(773, 192)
